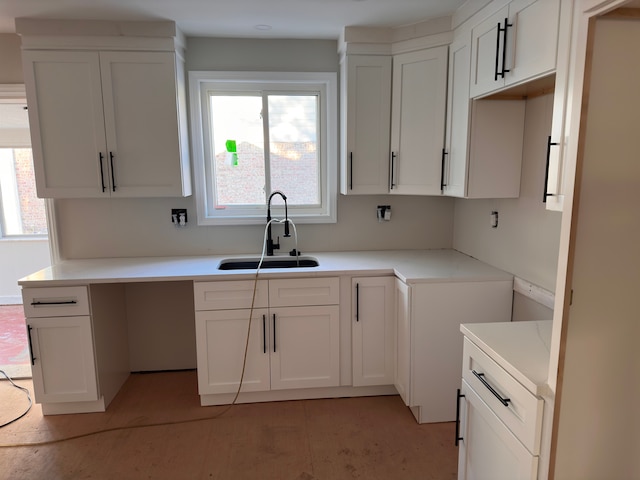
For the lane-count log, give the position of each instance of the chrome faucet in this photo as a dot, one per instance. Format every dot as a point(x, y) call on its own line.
point(270, 245)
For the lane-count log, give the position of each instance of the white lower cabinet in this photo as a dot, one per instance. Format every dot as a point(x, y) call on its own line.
point(488, 449)
point(500, 422)
point(429, 346)
point(293, 342)
point(63, 362)
point(373, 331)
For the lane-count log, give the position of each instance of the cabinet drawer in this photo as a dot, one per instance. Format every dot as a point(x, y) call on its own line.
point(230, 295)
point(523, 412)
point(55, 301)
point(304, 291)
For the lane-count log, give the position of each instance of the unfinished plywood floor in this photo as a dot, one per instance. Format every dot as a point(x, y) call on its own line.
point(368, 438)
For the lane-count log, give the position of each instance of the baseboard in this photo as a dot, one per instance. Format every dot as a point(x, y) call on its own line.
point(10, 300)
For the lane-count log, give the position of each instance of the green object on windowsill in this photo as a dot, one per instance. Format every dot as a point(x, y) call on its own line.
point(232, 155)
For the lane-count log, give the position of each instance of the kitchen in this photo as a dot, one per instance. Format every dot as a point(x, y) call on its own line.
point(515, 246)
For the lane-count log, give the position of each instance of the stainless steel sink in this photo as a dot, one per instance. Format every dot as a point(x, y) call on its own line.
point(268, 262)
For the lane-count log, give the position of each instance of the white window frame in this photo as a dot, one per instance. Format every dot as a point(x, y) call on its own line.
point(200, 82)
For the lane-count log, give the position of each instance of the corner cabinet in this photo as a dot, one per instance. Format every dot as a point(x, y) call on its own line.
point(429, 346)
point(517, 43)
point(484, 138)
point(418, 108)
point(366, 120)
point(107, 123)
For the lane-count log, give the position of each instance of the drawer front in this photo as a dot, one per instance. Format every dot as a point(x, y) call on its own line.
point(304, 291)
point(230, 295)
point(522, 413)
point(55, 302)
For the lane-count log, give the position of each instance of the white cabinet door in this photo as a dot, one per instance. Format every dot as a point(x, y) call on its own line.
point(66, 119)
point(418, 109)
point(305, 347)
point(373, 331)
point(458, 116)
point(486, 54)
point(366, 97)
point(106, 124)
point(64, 368)
point(403, 341)
point(487, 449)
point(221, 337)
point(516, 44)
point(141, 113)
point(533, 40)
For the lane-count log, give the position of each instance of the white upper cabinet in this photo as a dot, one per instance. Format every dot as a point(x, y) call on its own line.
point(483, 148)
point(366, 92)
point(106, 123)
point(418, 107)
point(517, 43)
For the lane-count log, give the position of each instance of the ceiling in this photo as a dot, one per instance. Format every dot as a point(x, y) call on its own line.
point(318, 19)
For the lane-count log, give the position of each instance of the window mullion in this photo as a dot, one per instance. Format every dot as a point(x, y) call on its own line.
point(267, 146)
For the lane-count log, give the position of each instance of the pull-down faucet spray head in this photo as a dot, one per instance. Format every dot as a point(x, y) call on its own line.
point(270, 244)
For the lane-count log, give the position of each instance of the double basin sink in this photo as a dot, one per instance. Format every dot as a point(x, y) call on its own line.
point(268, 262)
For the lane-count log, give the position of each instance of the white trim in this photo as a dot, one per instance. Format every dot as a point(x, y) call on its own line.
point(329, 162)
point(534, 292)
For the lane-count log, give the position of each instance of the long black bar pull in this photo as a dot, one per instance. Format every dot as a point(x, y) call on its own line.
point(458, 437)
point(442, 184)
point(33, 359)
point(113, 175)
point(393, 167)
point(350, 170)
point(264, 334)
point(495, 71)
point(504, 46)
point(546, 171)
point(357, 302)
point(100, 157)
point(501, 399)
point(274, 332)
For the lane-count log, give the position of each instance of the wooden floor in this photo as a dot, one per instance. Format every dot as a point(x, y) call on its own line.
point(368, 438)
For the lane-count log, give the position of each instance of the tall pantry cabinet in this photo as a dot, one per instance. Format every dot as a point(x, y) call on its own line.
point(106, 121)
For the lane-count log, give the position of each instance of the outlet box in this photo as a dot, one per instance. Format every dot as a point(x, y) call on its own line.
point(176, 216)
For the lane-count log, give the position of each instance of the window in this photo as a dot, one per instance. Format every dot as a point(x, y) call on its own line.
point(21, 212)
point(253, 133)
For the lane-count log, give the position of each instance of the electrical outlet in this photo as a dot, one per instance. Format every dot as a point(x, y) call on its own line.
point(179, 217)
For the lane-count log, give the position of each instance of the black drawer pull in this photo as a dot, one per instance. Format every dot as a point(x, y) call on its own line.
point(480, 376)
point(61, 302)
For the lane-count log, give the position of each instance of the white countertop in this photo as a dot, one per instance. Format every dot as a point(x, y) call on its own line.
point(521, 348)
point(411, 266)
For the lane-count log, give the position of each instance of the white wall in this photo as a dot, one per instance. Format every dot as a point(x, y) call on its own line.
point(132, 227)
point(20, 258)
point(527, 238)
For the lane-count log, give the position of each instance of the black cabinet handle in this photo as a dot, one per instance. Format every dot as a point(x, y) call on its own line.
point(442, 184)
point(480, 376)
point(546, 171)
point(274, 332)
point(61, 302)
point(264, 334)
point(495, 70)
point(113, 175)
point(393, 167)
point(504, 46)
point(33, 359)
point(350, 170)
point(100, 157)
point(357, 302)
point(458, 437)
